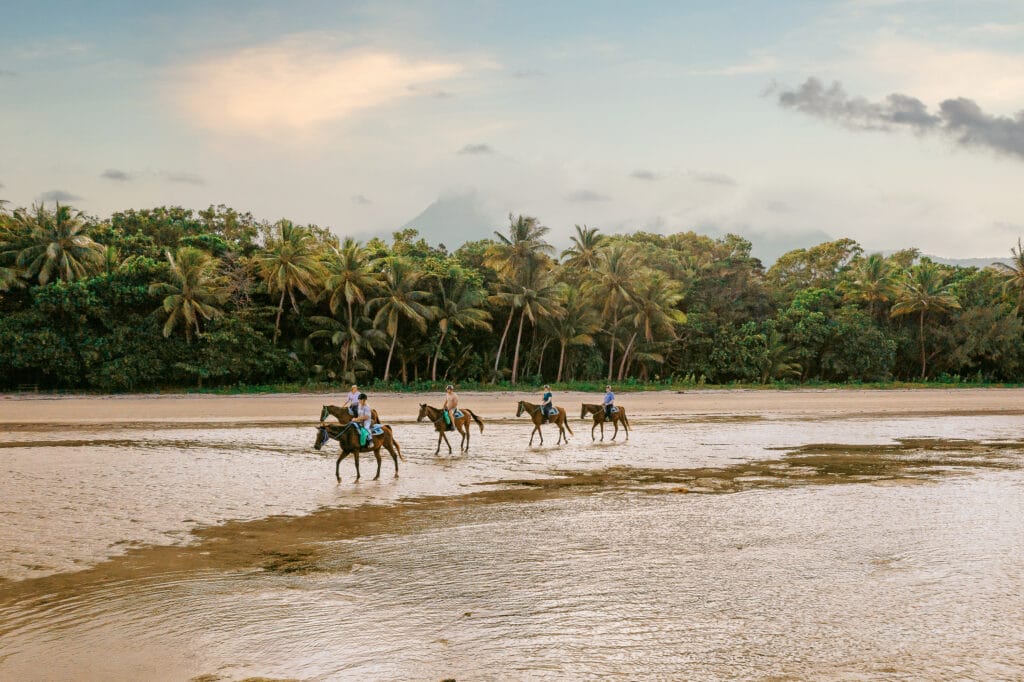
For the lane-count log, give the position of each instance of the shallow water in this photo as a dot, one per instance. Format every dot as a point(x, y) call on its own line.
point(904, 559)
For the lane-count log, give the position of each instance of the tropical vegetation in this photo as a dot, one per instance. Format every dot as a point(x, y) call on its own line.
point(170, 297)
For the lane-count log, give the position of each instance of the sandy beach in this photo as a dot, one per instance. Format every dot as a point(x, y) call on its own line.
point(289, 408)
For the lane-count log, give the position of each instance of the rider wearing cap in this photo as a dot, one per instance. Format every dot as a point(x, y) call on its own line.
point(546, 405)
point(363, 418)
point(609, 403)
point(451, 403)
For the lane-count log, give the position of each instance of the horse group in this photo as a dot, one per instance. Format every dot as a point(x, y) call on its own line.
point(350, 441)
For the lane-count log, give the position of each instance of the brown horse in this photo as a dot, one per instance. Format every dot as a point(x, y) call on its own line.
point(342, 414)
point(347, 436)
point(461, 425)
point(599, 418)
point(559, 419)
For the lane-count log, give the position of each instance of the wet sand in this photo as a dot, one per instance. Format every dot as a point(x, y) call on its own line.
point(281, 408)
point(736, 535)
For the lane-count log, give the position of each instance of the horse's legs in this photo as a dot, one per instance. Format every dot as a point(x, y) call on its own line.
point(592, 429)
point(337, 465)
point(464, 445)
point(445, 436)
point(440, 435)
point(356, 455)
point(376, 453)
point(615, 423)
point(394, 457)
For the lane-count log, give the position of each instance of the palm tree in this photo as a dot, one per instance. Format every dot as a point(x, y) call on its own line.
point(584, 253)
point(458, 309)
point(399, 299)
point(349, 277)
point(288, 263)
point(538, 301)
point(615, 276)
point(1013, 274)
point(514, 258)
point(923, 289)
point(350, 340)
point(870, 280)
point(576, 325)
point(778, 359)
point(192, 293)
point(652, 311)
point(56, 245)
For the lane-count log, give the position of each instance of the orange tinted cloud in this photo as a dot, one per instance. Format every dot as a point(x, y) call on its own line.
point(296, 85)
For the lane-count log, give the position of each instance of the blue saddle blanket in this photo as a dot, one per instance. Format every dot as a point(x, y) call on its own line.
point(614, 409)
point(457, 413)
point(377, 430)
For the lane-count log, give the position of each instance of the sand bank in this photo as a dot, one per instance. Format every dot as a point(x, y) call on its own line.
point(699, 404)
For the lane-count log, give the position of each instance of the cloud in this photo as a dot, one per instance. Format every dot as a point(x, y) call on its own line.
point(361, 200)
point(713, 178)
point(474, 149)
point(58, 195)
point(114, 174)
point(527, 73)
point(7, 73)
point(641, 174)
point(586, 195)
point(959, 119)
point(297, 83)
point(185, 178)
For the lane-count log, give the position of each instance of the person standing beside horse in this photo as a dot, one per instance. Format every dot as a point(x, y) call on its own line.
point(451, 404)
point(608, 403)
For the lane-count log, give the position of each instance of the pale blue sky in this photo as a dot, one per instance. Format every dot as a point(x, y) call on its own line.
point(656, 115)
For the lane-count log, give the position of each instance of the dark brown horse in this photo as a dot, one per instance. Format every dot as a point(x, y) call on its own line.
point(347, 436)
point(342, 414)
point(599, 419)
point(559, 419)
point(461, 425)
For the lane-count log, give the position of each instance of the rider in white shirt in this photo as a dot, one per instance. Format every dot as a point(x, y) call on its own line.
point(364, 417)
point(352, 401)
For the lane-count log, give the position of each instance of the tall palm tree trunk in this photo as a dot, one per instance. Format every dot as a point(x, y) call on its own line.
point(391, 351)
point(519, 338)
point(504, 335)
point(277, 322)
point(923, 359)
point(433, 371)
point(540, 362)
point(625, 356)
point(561, 363)
point(611, 350)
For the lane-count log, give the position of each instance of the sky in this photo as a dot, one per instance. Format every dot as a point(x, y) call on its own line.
point(895, 123)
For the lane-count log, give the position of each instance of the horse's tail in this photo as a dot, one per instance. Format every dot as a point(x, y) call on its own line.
point(398, 448)
point(625, 421)
point(476, 419)
point(567, 425)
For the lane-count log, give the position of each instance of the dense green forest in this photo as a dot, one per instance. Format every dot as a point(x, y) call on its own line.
point(170, 297)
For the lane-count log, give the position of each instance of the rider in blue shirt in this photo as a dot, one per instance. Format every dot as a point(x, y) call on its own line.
point(546, 407)
point(609, 402)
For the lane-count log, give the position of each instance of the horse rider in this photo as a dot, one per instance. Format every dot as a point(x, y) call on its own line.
point(363, 419)
point(546, 406)
point(609, 403)
point(352, 401)
point(451, 403)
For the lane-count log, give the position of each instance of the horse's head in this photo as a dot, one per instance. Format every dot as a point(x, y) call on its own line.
point(423, 412)
point(324, 412)
point(522, 408)
point(583, 411)
point(321, 437)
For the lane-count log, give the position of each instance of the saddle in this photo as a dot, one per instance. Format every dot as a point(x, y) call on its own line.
point(548, 413)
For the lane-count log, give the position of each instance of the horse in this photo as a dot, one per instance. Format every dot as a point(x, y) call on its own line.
point(342, 414)
point(599, 418)
point(347, 436)
point(461, 425)
point(559, 419)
